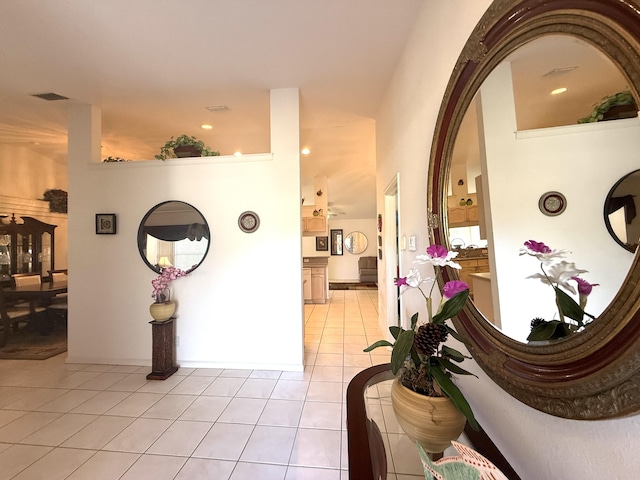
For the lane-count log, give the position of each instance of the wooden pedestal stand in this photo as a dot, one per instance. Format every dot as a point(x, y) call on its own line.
point(162, 366)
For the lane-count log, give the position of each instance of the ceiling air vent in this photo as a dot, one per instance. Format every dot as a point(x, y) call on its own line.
point(559, 71)
point(217, 108)
point(50, 96)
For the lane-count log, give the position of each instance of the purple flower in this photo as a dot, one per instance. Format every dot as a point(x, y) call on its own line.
point(542, 252)
point(584, 287)
point(401, 281)
point(167, 275)
point(454, 287)
point(437, 251)
point(537, 247)
point(438, 256)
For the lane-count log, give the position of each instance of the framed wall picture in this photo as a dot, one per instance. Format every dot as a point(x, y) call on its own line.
point(105, 223)
point(336, 242)
point(322, 244)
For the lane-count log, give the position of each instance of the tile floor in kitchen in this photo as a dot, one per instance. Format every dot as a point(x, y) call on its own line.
point(103, 422)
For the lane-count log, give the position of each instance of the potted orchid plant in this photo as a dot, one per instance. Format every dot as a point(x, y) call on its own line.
point(421, 361)
point(163, 308)
point(559, 274)
point(161, 283)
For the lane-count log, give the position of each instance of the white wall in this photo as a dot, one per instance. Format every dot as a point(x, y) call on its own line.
point(242, 307)
point(538, 445)
point(25, 175)
point(523, 166)
point(344, 268)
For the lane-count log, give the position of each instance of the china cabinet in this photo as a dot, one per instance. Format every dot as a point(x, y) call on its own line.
point(26, 246)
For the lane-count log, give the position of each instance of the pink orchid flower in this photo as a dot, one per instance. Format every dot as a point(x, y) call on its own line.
point(454, 287)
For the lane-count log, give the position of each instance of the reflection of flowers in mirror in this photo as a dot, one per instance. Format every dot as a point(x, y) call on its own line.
point(559, 273)
point(161, 283)
point(419, 357)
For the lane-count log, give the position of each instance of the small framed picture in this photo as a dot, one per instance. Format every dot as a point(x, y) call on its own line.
point(105, 223)
point(322, 244)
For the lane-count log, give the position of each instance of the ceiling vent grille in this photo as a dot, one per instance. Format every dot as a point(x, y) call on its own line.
point(559, 71)
point(50, 96)
point(217, 108)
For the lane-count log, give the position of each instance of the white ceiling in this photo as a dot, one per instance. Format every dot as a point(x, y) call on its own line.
point(537, 68)
point(152, 66)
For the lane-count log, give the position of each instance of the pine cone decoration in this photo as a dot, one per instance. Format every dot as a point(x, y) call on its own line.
point(537, 321)
point(444, 333)
point(429, 336)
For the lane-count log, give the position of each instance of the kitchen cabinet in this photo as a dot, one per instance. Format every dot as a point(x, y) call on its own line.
point(306, 278)
point(26, 246)
point(470, 266)
point(318, 285)
point(314, 225)
point(315, 271)
point(463, 216)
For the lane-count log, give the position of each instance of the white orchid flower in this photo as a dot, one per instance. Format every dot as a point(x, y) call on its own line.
point(542, 252)
point(438, 256)
point(559, 275)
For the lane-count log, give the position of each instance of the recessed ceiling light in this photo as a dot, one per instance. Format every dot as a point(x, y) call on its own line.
point(207, 127)
point(305, 151)
point(558, 91)
point(237, 154)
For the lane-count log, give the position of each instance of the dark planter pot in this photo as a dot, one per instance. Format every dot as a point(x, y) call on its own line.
point(620, 111)
point(187, 151)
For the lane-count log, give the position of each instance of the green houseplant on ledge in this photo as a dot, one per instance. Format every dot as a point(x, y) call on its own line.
point(618, 105)
point(429, 406)
point(185, 146)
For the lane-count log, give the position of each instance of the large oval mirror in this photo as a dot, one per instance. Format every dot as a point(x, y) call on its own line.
point(355, 242)
point(594, 373)
point(494, 224)
point(174, 234)
point(620, 211)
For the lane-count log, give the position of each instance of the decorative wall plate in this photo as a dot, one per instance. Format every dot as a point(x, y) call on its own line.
point(552, 203)
point(248, 222)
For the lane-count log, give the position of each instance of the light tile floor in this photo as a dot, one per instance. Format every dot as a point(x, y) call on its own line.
point(107, 422)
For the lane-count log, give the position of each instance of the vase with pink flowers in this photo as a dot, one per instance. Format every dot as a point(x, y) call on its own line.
point(163, 308)
point(429, 406)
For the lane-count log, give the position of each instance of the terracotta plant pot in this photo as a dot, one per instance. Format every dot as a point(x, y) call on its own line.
point(162, 311)
point(431, 421)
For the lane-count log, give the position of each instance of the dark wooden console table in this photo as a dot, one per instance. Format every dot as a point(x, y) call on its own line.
point(367, 457)
point(162, 361)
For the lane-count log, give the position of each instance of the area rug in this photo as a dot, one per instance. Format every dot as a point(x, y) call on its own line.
point(352, 286)
point(30, 345)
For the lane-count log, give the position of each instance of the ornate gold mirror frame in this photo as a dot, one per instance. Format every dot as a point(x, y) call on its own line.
point(594, 374)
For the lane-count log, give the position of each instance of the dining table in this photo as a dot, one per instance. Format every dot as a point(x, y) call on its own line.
point(45, 290)
point(40, 294)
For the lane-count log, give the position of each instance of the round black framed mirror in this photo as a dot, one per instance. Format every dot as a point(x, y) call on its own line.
point(356, 242)
point(173, 233)
point(620, 214)
point(594, 374)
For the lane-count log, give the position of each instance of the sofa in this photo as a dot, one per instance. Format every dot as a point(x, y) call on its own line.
point(368, 269)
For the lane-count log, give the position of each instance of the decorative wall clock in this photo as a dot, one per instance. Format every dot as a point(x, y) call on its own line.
point(552, 203)
point(248, 222)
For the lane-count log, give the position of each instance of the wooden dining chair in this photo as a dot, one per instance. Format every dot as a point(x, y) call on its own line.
point(59, 276)
point(20, 279)
point(14, 310)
